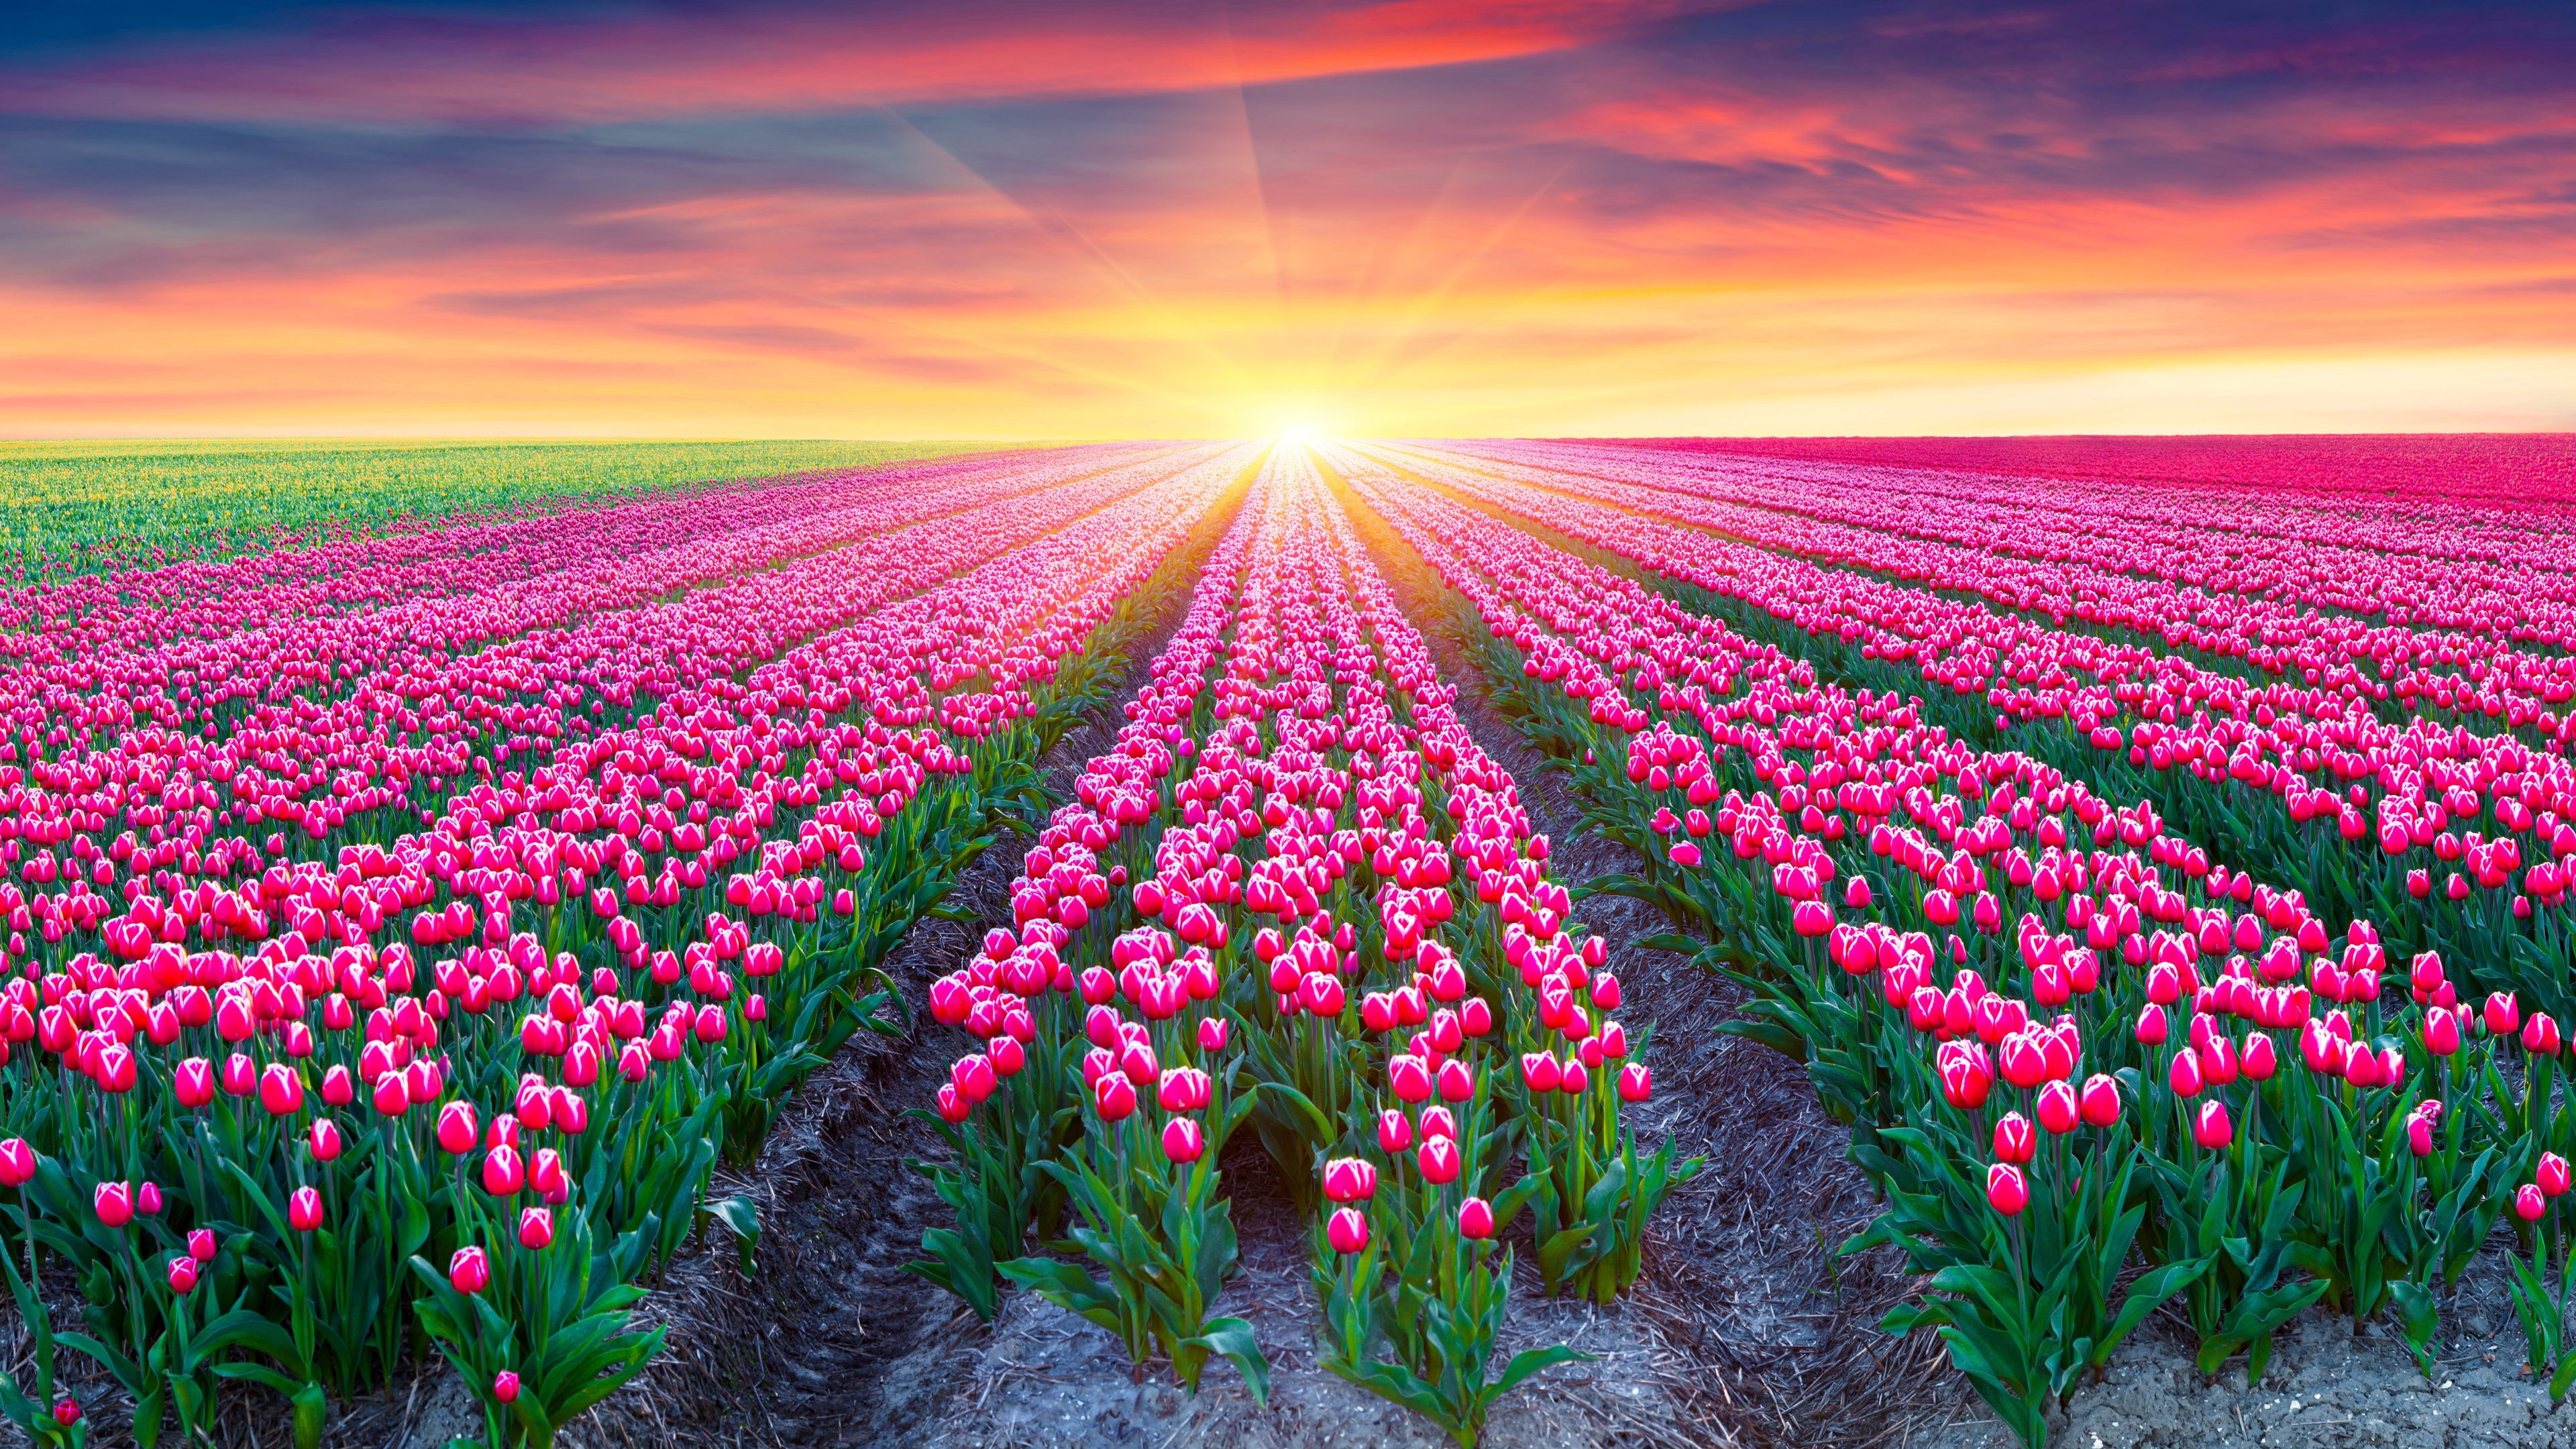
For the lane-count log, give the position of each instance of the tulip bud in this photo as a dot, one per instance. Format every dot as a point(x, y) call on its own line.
point(2100, 1101)
point(2419, 1135)
point(2502, 1015)
point(536, 1228)
point(182, 1275)
point(2212, 1129)
point(1394, 1131)
point(201, 1245)
point(1184, 1140)
point(1439, 1161)
point(304, 1210)
point(2528, 1203)
point(1636, 1082)
point(2057, 1108)
point(2260, 1059)
point(2006, 1192)
point(1114, 1095)
point(2441, 1032)
point(282, 1091)
point(114, 1204)
point(1540, 1071)
point(17, 1162)
point(1350, 1179)
point(457, 1130)
point(469, 1272)
point(2014, 1141)
point(1348, 1232)
point(1212, 1033)
point(505, 1384)
point(2551, 1175)
point(503, 1173)
point(2183, 1076)
point(1476, 1219)
point(2540, 1035)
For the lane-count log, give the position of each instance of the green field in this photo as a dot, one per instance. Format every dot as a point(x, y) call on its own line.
point(76, 507)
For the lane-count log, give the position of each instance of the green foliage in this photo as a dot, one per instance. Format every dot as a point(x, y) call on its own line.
point(76, 507)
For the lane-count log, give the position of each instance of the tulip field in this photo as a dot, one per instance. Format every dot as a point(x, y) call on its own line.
point(2162, 878)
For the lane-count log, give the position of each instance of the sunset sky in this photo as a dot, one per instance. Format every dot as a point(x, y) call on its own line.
point(1422, 217)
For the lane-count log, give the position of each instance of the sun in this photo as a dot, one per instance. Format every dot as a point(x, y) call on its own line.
point(1299, 435)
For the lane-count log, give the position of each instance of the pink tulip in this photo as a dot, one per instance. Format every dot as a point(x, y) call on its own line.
point(2101, 1100)
point(469, 1272)
point(2057, 1108)
point(1439, 1161)
point(1476, 1219)
point(1394, 1131)
point(2006, 1192)
point(1348, 1231)
point(1350, 1179)
point(2211, 1127)
point(17, 1163)
point(2014, 1140)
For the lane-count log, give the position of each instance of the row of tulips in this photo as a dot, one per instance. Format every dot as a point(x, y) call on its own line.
point(432, 701)
point(2432, 493)
point(2063, 1036)
point(1295, 895)
point(2391, 833)
point(2392, 609)
point(140, 610)
point(605, 972)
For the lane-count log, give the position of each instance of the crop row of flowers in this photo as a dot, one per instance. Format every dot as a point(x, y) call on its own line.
point(2094, 1070)
point(591, 868)
point(2236, 575)
point(2464, 842)
point(143, 609)
point(2358, 474)
point(1294, 895)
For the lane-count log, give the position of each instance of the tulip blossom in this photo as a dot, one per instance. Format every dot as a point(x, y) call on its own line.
point(1476, 1219)
point(1348, 1231)
point(469, 1271)
point(2211, 1128)
point(2006, 1191)
point(1350, 1179)
point(2015, 1142)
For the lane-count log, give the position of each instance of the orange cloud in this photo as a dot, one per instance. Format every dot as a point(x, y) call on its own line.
point(1420, 217)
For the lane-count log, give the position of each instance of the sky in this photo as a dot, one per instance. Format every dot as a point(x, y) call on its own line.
point(1369, 217)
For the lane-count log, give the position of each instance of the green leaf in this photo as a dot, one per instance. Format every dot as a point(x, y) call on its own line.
point(1233, 1338)
point(741, 1217)
point(1531, 1361)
